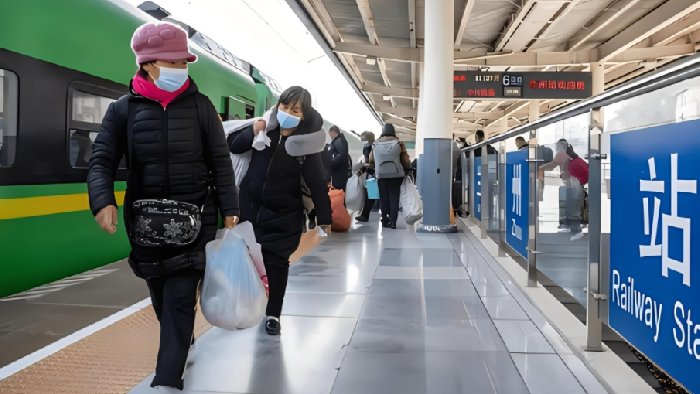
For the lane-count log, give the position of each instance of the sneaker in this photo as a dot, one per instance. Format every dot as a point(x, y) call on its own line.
point(576, 236)
point(362, 219)
point(272, 325)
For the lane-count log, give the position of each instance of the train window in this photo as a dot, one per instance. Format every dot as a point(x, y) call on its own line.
point(88, 107)
point(87, 111)
point(8, 117)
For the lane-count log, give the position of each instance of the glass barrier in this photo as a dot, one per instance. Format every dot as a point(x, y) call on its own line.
point(492, 198)
point(562, 239)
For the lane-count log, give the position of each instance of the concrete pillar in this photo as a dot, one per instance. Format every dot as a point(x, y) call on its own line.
point(436, 116)
point(420, 121)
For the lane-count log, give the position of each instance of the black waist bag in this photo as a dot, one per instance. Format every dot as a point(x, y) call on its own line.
point(162, 222)
point(159, 269)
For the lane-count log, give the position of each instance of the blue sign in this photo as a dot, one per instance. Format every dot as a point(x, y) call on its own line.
point(477, 187)
point(654, 270)
point(517, 193)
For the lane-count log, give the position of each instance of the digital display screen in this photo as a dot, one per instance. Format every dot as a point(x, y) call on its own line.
point(525, 85)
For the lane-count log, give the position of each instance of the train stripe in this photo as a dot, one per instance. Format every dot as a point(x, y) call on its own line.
point(15, 208)
point(51, 189)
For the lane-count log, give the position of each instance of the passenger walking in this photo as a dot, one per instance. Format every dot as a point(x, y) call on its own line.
point(367, 139)
point(339, 158)
point(177, 162)
point(270, 192)
point(389, 160)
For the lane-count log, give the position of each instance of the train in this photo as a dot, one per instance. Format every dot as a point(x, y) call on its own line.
point(61, 64)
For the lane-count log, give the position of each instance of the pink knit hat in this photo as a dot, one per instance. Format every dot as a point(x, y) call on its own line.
point(160, 41)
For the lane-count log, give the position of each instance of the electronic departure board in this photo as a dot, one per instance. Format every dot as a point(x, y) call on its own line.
point(479, 85)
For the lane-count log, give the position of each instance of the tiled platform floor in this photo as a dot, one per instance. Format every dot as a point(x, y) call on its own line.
point(391, 311)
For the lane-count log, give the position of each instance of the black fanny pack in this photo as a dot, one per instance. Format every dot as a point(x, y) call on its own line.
point(162, 222)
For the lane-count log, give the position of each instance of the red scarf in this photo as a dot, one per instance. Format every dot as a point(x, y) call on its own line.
point(148, 89)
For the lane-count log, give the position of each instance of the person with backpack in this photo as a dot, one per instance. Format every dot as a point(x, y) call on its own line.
point(341, 167)
point(389, 160)
point(271, 195)
point(367, 139)
point(178, 161)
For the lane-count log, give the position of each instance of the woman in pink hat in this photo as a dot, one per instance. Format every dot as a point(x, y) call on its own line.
point(180, 175)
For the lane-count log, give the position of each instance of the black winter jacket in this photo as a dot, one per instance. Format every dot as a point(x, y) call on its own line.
point(327, 163)
point(171, 159)
point(339, 162)
point(270, 192)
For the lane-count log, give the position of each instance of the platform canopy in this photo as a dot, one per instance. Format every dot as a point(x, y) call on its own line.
point(378, 45)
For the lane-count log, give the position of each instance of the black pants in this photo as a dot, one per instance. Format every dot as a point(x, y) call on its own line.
point(174, 298)
point(277, 270)
point(367, 207)
point(389, 194)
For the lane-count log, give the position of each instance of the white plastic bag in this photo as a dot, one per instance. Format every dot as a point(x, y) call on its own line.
point(355, 193)
point(261, 141)
point(233, 296)
point(410, 201)
point(245, 231)
point(240, 161)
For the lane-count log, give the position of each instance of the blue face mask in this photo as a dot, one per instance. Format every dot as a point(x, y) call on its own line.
point(171, 79)
point(286, 120)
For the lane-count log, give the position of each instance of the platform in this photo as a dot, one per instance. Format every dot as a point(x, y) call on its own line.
point(391, 311)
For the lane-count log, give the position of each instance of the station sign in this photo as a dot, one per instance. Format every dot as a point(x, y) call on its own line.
point(517, 193)
point(477, 187)
point(477, 85)
point(655, 246)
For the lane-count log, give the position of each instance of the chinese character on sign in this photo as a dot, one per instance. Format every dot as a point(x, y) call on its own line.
point(517, 190)
point(571, 85)
point(492, 92)
point(484, 92)
point(552, 85)
point(561, 85)
point(533, 84)
point(542, 85)
point(580, 85)
point(667, 221)
point(470, 93)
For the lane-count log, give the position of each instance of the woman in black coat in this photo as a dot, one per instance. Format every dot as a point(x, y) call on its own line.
point(176, 150)
point(270, 192)
point(340, 158)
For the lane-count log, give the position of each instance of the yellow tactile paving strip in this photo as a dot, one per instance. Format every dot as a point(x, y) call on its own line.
point(112, 360)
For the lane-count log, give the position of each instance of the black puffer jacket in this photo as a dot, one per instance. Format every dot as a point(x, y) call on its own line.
point(340, 162)
point(171, 159)
point(270, 192)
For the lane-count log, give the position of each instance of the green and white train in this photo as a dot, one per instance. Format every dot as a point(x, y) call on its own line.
point(61, 64)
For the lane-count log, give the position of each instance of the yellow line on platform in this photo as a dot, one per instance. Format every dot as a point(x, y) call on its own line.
point(15, 208)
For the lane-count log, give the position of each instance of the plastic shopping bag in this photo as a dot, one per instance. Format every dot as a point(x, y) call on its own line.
point(245, 231)
point(410, 201)
point(355, 193)
point(233, 296)
point(372, 188)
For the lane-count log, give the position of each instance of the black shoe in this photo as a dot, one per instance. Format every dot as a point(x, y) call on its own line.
point(272, 325)
point(362, 219)
point(392, 226)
